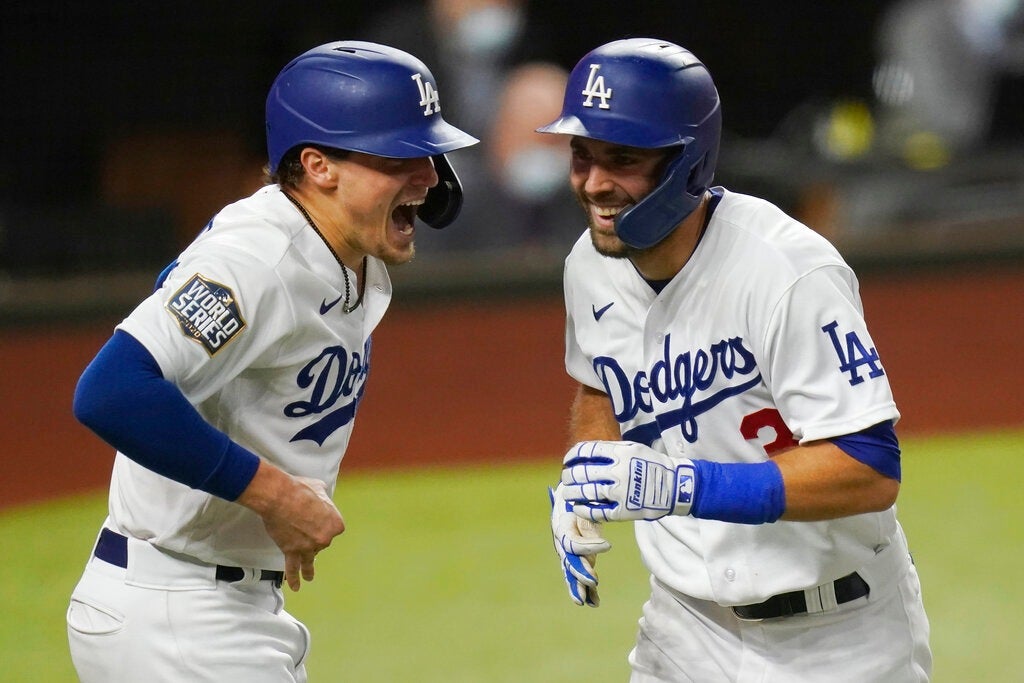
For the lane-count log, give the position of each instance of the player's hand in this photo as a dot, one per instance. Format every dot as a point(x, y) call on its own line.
point(299, 516)
point(610, 481)
point(314, 525)
point(577, 542)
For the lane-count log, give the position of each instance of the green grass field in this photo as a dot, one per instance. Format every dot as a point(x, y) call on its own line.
point(449, 575)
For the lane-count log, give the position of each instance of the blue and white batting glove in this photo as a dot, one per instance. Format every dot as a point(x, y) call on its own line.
point(577, 541)
point(612, 481)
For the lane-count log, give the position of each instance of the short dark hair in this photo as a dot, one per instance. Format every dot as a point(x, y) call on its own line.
point(290, 171)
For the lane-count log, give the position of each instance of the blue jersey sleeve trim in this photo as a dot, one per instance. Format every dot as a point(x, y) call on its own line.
point(123, 397)
point(877, 447)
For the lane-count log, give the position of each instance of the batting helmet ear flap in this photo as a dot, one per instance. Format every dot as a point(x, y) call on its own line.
point(660, 212)
point(444, 200)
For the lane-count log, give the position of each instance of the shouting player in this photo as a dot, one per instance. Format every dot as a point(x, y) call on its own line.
point(230, 393)
point(731, 401)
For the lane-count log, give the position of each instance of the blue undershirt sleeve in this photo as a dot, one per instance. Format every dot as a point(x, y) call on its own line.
point(877, 447)
point(123, 397)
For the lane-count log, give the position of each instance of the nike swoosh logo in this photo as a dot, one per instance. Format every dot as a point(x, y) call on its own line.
point(598, 312)
point(324, 307)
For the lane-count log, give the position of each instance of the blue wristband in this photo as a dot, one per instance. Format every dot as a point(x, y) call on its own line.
point(738, 492)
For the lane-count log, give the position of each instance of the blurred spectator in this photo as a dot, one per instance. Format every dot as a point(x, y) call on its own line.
point(540, 210)
point(940, 67)
point(498, 86)
point(473, 44)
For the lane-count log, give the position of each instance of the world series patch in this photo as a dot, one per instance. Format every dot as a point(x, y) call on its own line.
point(207, 312)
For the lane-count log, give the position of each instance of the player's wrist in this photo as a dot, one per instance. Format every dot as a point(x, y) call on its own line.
point(268, 485)
point(741, 493)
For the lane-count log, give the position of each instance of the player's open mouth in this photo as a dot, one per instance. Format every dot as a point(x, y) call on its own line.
point(608, 211)
point(404, 215)
point(606, 214)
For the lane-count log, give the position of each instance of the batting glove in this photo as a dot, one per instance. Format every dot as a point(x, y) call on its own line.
point(611, 481)
point(577, 541)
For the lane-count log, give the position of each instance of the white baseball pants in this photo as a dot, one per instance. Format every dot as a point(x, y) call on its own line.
point(165, 619)
point(879, 638)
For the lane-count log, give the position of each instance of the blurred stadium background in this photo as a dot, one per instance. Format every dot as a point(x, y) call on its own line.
point(127, 125)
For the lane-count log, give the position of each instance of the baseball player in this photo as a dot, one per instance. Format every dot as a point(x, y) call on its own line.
point(230, 393)
point(731, 403)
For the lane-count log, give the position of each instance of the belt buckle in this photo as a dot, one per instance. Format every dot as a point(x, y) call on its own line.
point(248, 576)
point(824, 598)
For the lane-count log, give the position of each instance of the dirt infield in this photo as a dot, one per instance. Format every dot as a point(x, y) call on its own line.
point(483, 381)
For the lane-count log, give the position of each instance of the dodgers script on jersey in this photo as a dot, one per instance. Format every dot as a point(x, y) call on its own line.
point(737, 371)
point(278, 367)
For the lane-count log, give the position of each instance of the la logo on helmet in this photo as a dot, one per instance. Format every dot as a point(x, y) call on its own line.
point(595, 88)
point(429, 98)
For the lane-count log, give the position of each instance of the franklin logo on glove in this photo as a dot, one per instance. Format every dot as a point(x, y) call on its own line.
point(636, 498)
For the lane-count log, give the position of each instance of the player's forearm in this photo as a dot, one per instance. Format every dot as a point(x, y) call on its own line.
point(591, 418)
point(622, 480)
point(272, 492)
point(302, 503)
point(267, 487)
point(809, 483)
point(123, 397)
point(822, 482)
point(813, 482)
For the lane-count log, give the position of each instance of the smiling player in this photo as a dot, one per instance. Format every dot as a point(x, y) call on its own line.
point(731, 403)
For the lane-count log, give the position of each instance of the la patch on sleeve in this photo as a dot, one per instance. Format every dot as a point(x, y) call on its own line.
point(207, 312)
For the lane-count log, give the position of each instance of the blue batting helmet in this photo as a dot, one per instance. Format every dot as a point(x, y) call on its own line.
point(643, 92)
point(370, 98)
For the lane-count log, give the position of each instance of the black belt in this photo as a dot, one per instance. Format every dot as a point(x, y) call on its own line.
point(787, 604)
point(112, 547)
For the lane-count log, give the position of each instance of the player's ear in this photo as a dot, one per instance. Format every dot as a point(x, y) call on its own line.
point(317, 166)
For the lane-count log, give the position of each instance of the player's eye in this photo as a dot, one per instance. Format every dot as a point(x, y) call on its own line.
point(625, 160)
point(580, 154)
point(393, 163)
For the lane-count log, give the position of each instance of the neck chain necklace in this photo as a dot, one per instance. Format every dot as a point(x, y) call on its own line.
point(345, 307)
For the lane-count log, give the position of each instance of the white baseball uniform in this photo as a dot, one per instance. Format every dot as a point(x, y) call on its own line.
point(758, 342)
point(249, 326)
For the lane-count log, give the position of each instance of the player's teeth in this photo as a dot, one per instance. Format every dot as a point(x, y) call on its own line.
point(415, 202)
point(607, 213)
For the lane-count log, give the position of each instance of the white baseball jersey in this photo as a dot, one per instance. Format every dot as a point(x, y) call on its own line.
point(758, 341)
point(249, 326)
